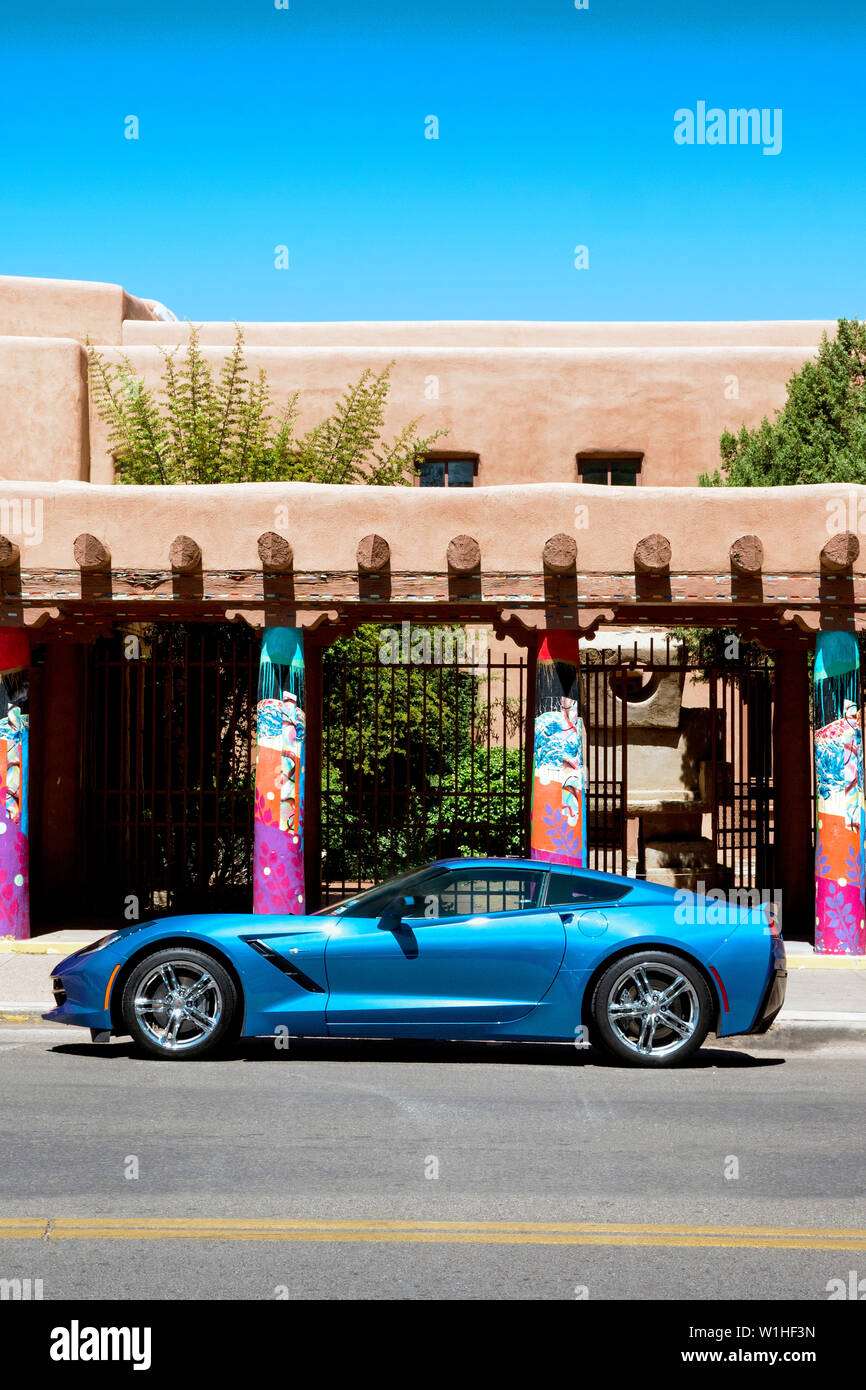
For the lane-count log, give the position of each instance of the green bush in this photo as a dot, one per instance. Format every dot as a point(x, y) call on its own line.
point(206, 428)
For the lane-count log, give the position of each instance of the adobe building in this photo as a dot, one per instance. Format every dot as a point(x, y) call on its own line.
point(563, 497)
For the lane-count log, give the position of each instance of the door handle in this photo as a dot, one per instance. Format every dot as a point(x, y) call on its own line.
point(566, 918)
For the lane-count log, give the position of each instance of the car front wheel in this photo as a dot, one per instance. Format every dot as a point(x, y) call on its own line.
point(179, 1003)
point(652, 1009)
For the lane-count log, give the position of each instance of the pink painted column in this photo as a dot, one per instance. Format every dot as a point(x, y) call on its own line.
point(278, 861)
point(14, 789)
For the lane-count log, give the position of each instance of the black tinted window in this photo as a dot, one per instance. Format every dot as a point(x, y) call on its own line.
point(570, 890)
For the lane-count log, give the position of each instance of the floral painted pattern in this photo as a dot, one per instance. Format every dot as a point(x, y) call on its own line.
point(278, 855)
point(14, 855)
point(559, 776)
point(840, 867)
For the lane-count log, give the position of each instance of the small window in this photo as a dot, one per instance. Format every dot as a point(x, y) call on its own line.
point(572, 890)
point(448, 472)
point(613, 472)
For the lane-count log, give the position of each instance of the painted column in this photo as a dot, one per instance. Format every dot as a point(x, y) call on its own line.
point(558, 769)
point(792, 787)
point(14, 788)
point(840, 918)
point(278, 875)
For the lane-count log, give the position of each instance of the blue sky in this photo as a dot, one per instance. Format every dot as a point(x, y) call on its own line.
point(305, 127)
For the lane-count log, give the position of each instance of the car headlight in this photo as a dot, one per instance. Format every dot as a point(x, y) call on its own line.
point(98, 945)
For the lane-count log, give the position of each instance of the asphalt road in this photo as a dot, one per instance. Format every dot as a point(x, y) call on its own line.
point(526, 1146)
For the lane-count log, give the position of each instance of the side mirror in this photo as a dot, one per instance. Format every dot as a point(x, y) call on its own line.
point(392, 917)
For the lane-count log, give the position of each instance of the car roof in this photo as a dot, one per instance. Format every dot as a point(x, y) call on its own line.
point(512, 862)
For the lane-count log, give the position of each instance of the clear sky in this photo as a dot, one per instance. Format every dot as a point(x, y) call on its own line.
point(262, 127)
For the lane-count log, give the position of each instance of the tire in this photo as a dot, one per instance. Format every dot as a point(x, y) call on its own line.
point(627, 1020)
point(197, 1025)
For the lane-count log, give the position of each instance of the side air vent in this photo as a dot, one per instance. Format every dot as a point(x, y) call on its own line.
point(283, 964)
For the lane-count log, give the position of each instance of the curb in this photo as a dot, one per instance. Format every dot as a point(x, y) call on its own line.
point(15, 1012)
point(796, 962)
point(40, 948)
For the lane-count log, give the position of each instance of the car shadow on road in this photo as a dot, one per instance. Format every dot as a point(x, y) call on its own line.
point(433, 1050)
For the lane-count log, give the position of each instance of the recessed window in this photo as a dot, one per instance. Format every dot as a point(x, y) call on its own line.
point(448, 472)
point(612, 472)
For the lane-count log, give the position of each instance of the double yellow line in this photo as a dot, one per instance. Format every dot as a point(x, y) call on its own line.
point(430, 1232)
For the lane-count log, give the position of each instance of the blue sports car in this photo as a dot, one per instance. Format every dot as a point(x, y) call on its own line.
point(463, 948)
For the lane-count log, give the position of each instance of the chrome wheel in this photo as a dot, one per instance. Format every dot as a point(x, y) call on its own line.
point(178, 1005)
point(653, 1009)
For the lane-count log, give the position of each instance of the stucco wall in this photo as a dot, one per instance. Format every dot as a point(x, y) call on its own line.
point(325, 523)
point(43, 409)
point(473, 333)
point(36, 308)
point(528, 412)
point(526, 397)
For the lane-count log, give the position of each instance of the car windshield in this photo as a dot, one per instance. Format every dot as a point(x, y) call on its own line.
point(373, 901)
point(439, 891)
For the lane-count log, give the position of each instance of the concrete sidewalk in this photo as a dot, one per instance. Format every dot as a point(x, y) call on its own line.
point(25, 970)
point(826, 995)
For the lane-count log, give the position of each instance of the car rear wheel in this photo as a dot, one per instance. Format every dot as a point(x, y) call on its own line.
point(179, 1003)
point(652, 1009)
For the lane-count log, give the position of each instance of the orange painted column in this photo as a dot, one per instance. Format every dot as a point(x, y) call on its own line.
point(558, 768)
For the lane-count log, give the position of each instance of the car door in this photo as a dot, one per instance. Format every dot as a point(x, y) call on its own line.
point(588, 905)
point(473, 948)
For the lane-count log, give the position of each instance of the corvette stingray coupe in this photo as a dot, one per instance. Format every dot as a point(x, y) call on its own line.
point(463, 948)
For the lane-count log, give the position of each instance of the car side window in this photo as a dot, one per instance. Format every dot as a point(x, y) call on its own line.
point(475, 893)
point(573, 890)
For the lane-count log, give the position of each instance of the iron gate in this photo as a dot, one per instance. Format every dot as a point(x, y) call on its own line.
point(169, 766)
point(418, 761)
point(741, 713)
point(731, 711)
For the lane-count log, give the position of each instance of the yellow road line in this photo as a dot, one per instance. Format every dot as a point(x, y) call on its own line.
point(368, 1224)
point(18, 1226)
point(433, 1232)
point(461, 1238)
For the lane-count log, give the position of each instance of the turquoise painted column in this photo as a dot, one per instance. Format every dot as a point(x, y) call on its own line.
point(278, 875)
point(14, 788)
point(840, 911)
